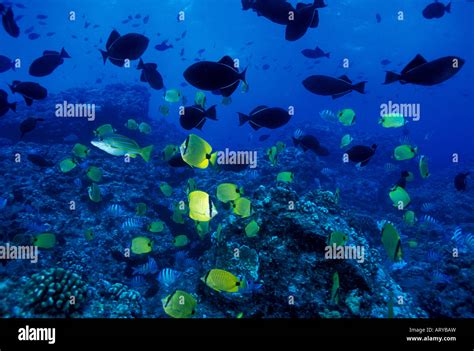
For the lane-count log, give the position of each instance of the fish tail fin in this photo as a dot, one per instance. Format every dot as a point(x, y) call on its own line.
point(319, 4)
point(105, 55)
point(213, 159)
point(146, 152)
point(242, 75)
point(391, 77)
point(140, 64)
point(359, 87)
point(448, 7)
point(211, 112)
point(243, 118)
point(12, 106)
point(64, 54)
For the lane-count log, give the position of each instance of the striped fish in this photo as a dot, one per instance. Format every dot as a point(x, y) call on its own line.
point(168, 276)
point(427, 207)
point(138, 281)
point(457, 235)
point(328, 116)
point(429, 219)
point(132, 223)
point(390, 167)
point(116, 210)
point(148, 268)
point(298, 134)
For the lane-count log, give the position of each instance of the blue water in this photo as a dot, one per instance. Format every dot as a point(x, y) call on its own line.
point(348, 30)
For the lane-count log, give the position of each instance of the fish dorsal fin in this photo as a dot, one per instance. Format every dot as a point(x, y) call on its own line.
point(318, 51)
point(227, 60)
point(112, 38)
point(345, 79)
point(50, 52)
point(417, 61)
point(258, 108)
point(300, 5)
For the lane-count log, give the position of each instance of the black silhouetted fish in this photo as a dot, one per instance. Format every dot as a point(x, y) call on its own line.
point(150, 75)
point(195, 116)
point(378, 18)
point(276, 11)
point(305, 16)
point(421, 72)
point(336, 87)
point(145, 19)
point(163, 46)
point(28, 125)
point(119, 48)
point(29, 90)
point(86, 24)
point(361, 154)
point(39, 161)
point(265, 117)
point(33, 36)
point(29, 30)
point(8, 21)
point(314, 54)
point(41, 17)
point(4, 104)
point(460, 181)
point(309, 142)
point(47, 63)
point(6, 64)
point(385, 62)
point(436, 10)
point(264, 137)
point(177, 161)
point(20, 6)
point(265, 66)
point(212, 76)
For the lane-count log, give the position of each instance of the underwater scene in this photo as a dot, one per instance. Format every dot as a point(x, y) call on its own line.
point(236, 159)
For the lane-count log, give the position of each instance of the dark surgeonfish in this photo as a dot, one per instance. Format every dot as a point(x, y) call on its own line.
point(150, 75)
point(460, 181)
point(276, 11)
point(305, 16)
point(6, 64)
point(212, 76)
point(195, 116)
point(315, 54)
point(121, 47)
point(265, 117)
point(8, 21)
point(29, 90)
point(309, 142)
point(177, 161)
point(39, 161)
point(336, 87)
point(421, 72)
point(163, 46)
point(436, 10)
point(361, 154)
point(4, 104)
point(47, 63)
point(28, 125)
